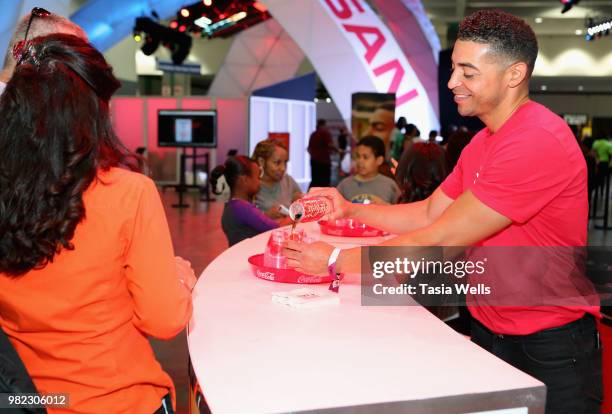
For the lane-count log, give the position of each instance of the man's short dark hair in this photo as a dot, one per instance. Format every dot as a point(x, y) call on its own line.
point(505, 33)
point(374, 143)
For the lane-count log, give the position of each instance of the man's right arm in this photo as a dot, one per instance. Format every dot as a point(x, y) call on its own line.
point(397, 219)
point(402, 218)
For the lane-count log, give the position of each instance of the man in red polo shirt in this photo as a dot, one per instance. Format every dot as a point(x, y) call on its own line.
point(522, 181)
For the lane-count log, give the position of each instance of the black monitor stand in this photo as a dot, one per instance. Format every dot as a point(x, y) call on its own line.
point(182, 187)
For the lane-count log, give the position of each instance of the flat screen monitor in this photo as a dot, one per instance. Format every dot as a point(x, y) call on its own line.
point(188, 128)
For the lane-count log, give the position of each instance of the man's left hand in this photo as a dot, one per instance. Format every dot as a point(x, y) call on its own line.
point(308, 258)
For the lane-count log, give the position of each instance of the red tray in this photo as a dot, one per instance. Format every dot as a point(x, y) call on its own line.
point(350, 228)
point(283, 275)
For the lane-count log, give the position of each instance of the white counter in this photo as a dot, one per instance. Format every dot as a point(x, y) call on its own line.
point(251, 355)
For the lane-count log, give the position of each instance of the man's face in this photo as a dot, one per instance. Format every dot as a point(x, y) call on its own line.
point(381, 124)
point(478, 79)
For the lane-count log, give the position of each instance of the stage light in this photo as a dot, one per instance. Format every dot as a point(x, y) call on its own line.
point(182, 28)
point(202, 21)
point(137, 37)
point(150, 44)
point(578, 32)
point(184, 12)
point(238, 16)
point(260, 6)
point(568, 4)
point(208, 3)
point(178, 43)
point(598, 29)
point(173, 24)
point(539, 20)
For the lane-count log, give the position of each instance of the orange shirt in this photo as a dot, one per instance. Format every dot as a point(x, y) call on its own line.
point(80, 324)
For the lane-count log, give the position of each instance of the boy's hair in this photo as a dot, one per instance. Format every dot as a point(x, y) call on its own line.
point(506, 34)
point(374, 143)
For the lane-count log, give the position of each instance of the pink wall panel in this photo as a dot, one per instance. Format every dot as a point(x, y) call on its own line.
point(232, 115)
point(196, 103)
point(161, 160)
point(128, 121)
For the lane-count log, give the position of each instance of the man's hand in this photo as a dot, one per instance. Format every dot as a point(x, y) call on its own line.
point(308, 258)
point(342, 207)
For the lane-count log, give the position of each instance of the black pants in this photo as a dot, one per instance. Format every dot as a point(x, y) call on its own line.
point(166, 407)
point(567, 359)
point(321, 174)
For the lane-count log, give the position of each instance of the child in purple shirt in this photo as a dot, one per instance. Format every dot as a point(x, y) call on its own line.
point(241, 219)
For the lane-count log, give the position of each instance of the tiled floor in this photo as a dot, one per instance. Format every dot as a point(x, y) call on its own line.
point(198, 237)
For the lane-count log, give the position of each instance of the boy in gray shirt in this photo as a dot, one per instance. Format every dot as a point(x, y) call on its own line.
point(367, 185)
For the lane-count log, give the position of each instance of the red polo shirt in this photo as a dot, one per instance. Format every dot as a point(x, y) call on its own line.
point(531, 171)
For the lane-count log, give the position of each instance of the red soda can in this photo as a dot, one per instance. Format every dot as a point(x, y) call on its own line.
point(310, 209)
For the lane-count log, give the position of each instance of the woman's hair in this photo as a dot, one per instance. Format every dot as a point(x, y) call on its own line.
point(420, 171)
point(234, 168)
point(56, 134)
point(374, 143)
point(264, 149)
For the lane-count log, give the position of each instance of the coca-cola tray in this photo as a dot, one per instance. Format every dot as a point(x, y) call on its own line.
point(353, 229)
point(283, 275)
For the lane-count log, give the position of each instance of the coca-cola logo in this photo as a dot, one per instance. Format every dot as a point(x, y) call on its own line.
point(309, 279)
point(265, 275)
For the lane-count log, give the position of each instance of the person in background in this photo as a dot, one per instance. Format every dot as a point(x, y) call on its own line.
point(397, 134)
point(277, 187)
point(404, 143)
point(241, 219)
point(38, 22)
point(87, 268)
point(368, 186)
point(432, 136)
point(420, 171)
point(602, 148)
point(457, 141)
point(320, 148)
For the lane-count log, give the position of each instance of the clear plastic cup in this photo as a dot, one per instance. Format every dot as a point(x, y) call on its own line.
point(274, 256)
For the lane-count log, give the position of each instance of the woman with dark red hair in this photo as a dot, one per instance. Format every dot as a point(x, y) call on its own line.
point(87, 269)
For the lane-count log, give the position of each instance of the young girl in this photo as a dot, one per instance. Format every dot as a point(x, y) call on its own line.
point(277, 187)
point(241, 219)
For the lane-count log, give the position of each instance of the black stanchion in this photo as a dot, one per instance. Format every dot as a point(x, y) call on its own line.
point(182, 186)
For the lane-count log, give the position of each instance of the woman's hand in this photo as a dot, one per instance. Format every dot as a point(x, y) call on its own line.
point(308, 258)
point(185, 273)
point(274, 212)
point(342, 207)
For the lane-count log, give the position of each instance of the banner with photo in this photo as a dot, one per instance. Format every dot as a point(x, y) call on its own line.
point(373, 114)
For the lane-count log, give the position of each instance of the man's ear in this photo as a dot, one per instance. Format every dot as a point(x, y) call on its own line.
point(517, 74)
point(379, 160)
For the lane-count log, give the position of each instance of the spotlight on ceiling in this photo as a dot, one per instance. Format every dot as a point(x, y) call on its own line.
point(568, 4)
point(178, 43)
point(597, 29)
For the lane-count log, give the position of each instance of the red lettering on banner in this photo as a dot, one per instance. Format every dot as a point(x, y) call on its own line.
point(396, 81)
point(371, 48)
point(356, 3)
point(344, 13)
